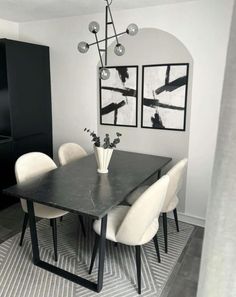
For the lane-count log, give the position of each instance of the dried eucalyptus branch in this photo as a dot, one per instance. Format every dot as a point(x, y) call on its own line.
point(107, 143)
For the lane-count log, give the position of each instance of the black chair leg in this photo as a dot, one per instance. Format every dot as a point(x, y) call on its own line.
point(155, 240)
point(176, 219)
point(54, 234)
point(164, 217)
point(82, 224)
point(138, 265)
point(25, 222)
point(95, 249)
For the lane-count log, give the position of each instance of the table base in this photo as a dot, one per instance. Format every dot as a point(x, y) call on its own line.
point(96, 287)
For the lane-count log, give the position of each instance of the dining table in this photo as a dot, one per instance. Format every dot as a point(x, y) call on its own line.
point(78, 188)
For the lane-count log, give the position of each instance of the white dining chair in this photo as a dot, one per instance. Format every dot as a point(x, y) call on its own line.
point(67, 153)
point(135, 225)
point(30, 166)
point(176, 175)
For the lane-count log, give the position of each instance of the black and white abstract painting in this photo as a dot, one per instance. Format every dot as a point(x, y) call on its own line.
point(164, 96)
point(118, 97)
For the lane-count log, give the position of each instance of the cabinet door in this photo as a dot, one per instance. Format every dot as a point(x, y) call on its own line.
point(34, 143)
point(5, 123)
point(6, 164)
point(6, 172)
point(29, 88)
point(3, 67)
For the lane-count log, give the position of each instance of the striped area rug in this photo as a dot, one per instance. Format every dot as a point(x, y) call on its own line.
point(20, 278)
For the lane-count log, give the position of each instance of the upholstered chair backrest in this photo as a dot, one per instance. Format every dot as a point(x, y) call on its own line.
point(69, 152)
point(176, 175)
point(142, 213)
point(31, 165)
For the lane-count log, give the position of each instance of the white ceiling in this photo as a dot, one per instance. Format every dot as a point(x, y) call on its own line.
point(29, 10)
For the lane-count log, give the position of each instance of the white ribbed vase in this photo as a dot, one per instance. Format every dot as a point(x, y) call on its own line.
point(103, 157)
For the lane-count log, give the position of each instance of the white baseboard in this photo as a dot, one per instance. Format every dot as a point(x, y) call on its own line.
point(189, 219)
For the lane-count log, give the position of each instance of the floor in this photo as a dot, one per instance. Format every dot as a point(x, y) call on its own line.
point(184, 279)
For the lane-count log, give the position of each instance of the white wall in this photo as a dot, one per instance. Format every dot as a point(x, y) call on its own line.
point(218, 273)
point(73, 77)
point(203, 26)
point(8, 29)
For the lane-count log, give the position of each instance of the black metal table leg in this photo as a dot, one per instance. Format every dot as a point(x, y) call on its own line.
point(96, 287)
point(25, 222)
point(82, 224)
point(102, 247)
point(33, 232)
point(95, 249)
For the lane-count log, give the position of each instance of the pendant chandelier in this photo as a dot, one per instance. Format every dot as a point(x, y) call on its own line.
point(119, 49)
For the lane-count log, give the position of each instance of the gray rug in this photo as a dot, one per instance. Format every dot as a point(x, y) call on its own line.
point(20, 278)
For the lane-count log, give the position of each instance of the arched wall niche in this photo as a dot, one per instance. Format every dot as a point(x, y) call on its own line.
point(152, 46)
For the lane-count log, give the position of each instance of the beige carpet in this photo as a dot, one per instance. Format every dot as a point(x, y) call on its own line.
point(20, 278)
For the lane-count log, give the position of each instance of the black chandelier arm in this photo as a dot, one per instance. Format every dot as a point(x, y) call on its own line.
point(112, 21)
point(99, 50)
point(106, 33)
point(110, 37)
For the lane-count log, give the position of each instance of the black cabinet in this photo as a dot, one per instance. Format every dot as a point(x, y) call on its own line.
point(25, 103)
point(7, 177)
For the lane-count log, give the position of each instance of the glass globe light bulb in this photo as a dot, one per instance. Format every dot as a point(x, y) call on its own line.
point(119, 49)
point(94, 27)
point(83, 47)
point(132, 29)
point(104, 73)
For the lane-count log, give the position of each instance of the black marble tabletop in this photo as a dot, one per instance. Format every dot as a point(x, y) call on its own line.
point(78, 187)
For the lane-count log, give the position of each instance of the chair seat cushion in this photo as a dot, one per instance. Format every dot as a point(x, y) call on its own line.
point(114, 219)
point(43, 211)
point(172, 205)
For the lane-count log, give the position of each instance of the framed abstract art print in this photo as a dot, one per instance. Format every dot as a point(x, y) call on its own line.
point(164, 96)
point(118, 97)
